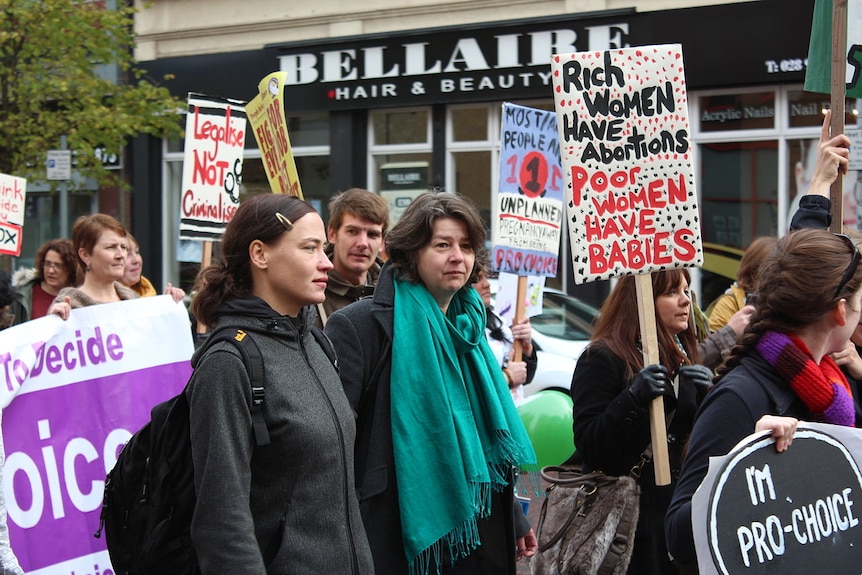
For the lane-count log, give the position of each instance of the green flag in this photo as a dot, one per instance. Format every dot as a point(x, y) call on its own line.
point(819, 71)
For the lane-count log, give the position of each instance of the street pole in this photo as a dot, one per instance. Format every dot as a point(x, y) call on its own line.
point(64, 198)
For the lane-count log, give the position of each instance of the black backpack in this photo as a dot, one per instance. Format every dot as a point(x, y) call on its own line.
point(149, 494)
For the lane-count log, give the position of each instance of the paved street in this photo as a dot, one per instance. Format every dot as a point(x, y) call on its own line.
point(533, 516)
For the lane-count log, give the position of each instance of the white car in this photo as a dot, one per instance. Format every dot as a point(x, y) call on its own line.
point(560, 334)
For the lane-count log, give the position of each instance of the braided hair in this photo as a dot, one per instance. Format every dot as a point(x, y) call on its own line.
point(797, 286)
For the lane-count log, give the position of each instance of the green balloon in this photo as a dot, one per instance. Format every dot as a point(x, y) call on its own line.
point(547, 416)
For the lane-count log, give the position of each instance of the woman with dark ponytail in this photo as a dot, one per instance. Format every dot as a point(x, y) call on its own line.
point(259, 506)
point(780, 371)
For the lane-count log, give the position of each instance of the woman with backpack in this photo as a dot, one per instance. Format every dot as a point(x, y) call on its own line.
point(289, 506)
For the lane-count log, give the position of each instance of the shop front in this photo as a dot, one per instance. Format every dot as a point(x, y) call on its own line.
point(421, 108)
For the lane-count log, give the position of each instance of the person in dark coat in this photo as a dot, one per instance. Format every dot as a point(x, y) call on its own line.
point(438, 435)
point(612, 391)
point(288, 506)
point(809, 303)
point(815, 212)
point(358, 221)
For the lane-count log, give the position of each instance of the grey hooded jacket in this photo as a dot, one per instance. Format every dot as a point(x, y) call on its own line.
point(286, 507)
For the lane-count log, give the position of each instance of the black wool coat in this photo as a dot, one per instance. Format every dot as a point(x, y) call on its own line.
point(362, 336)
point(612, 432)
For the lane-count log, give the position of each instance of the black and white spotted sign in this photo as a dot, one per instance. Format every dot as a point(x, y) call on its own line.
point(627, 159)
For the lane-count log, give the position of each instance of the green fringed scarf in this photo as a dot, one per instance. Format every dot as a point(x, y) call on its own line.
point(455, 430)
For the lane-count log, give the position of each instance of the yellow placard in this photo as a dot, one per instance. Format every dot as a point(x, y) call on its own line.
point(266, 114)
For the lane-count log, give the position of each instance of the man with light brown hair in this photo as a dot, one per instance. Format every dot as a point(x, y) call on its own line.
point(358, 221)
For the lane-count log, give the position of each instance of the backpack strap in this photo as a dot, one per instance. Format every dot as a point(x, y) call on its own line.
point(326, 344)
point(253, 362)
point(322, 313)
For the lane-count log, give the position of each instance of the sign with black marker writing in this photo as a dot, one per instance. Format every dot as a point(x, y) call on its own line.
point(760, 511)
point(626, 154)
point(528, 208)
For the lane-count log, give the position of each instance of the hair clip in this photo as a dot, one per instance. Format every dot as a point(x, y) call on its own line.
point(285, 222)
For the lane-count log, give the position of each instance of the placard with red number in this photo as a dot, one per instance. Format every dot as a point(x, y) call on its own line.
point(528, 209)
point(627, 160)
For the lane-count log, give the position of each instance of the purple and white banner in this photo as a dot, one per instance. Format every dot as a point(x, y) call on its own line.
point(72, 394)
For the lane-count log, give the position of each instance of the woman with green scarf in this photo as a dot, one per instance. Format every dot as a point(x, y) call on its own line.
point(438, 436)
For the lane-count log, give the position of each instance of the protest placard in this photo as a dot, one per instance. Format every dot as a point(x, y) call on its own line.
point(506, 298)
point(528, 207)
point(626, 155)
point(13, 191)
point(760, 511)
point(266, 114)
point(818, 71)
point(834, 67)
point(212, 166)
point(72, 394)
point(625, 147)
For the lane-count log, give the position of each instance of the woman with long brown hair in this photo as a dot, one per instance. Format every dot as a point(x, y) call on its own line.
point(612, 390)
point(56, 268)
point(809, 303)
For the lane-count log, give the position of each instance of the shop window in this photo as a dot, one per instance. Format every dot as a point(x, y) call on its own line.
point(395, 127)
point(469, 124)
point(805, 109)
point(400, 156)
point(314, 175)
point(42, 220)
point(473, 144)
point(308, 130)
point(472, 178)
point(739, 201)
point(802, 154)
point(750, 111)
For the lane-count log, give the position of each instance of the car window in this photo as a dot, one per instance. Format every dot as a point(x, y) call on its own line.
point(564, 317)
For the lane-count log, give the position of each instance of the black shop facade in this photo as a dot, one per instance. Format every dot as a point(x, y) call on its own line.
point(403, 112)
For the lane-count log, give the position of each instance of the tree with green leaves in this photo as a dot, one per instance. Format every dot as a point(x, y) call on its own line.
point(57, 59)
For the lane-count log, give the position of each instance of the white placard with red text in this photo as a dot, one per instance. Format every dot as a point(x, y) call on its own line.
point(625, 144)
point(13, 191)
point(212, 166)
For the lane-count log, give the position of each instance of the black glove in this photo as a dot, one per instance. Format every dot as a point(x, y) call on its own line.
point(699, 376)
point(651, 382)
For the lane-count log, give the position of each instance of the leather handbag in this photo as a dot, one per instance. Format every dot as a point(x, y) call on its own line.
point(587, 523)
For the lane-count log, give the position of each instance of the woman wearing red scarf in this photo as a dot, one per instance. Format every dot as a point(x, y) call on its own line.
point(809, 302)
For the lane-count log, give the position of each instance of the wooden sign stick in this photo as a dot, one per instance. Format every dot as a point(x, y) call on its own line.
point(837, 95)
point(206, 260)
point(649, 342)
point(519, 315)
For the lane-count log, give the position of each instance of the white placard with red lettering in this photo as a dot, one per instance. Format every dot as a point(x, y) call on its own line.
point(13, 191)
point(625, 144)
point(212, 166)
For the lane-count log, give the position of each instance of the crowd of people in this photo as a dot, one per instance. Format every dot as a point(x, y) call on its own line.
point(414, 430)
